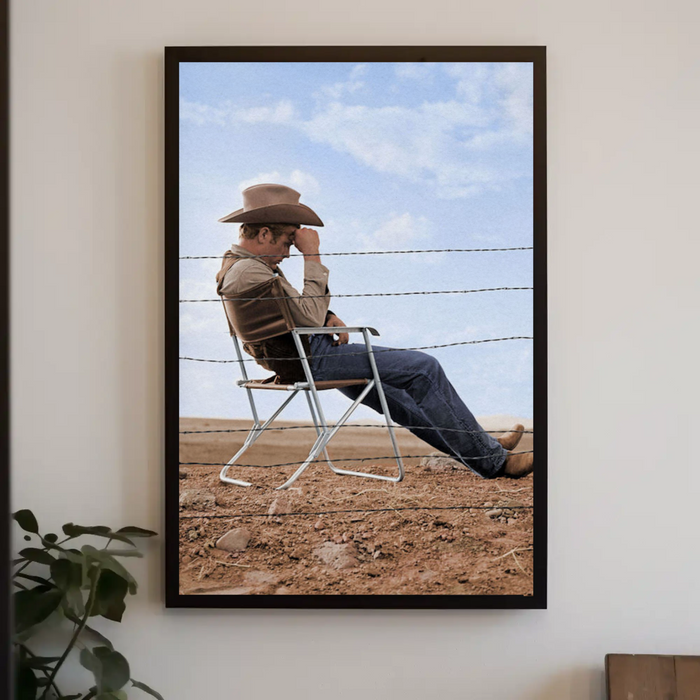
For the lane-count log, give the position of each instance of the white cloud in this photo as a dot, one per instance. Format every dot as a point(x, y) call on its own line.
point(459, 147)
point(399, 231)
point(515, 82)
point(201, 114)
point(414, 71)
point(283, 112)
point(472, 80)
point(305, 183)
point(351, 85)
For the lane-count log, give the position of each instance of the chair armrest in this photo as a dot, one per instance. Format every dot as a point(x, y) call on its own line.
point(334, 329)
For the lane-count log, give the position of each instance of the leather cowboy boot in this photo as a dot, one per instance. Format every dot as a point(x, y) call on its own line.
point(510, 440)
point(519, 464)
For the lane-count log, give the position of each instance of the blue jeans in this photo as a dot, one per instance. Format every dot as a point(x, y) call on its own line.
point(418, 394)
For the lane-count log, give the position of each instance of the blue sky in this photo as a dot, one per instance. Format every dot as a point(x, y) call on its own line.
point(391, 156)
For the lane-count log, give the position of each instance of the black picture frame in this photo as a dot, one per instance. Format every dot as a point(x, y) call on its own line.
point(176, 55)
point(5, 529)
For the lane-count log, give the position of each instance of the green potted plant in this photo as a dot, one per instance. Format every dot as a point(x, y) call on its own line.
point(53, 577)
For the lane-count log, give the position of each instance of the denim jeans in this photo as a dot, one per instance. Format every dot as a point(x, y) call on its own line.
point(418, 394)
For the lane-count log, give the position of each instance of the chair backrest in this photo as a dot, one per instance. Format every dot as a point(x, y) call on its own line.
point(259, 313)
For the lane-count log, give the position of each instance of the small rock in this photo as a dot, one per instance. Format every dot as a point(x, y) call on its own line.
point(337, 556)
point(197, 499)
point(319, 525)
point(437, 462)
point(283, 590)
point(184, 473)
point(259, 578)
point(279, 505)
point(192, 535)
point(488, 504)
point(377, 554)
point(494, 513)
point(234, 540)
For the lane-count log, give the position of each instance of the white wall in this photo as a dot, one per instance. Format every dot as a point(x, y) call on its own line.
point(87, 237)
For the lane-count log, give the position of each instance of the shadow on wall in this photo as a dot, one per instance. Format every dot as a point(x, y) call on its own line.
point(575, 684)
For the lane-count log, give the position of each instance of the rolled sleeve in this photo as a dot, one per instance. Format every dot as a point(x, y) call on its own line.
point(310, 307)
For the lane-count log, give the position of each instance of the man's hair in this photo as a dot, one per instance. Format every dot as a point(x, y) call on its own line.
point(252, 230)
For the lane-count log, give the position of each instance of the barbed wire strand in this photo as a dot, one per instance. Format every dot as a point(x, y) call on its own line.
point(368, 252)
point(373, 294)
point(364, 352)
point(354, 425)
point(335, 459)
point(352, 510)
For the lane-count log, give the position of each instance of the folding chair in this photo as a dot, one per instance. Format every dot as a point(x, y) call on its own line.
point(273, 317)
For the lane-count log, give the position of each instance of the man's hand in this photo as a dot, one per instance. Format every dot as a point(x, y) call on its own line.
point(334, 322)
point(306, 241)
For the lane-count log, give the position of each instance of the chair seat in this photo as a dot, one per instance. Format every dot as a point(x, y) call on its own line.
point(320, 386)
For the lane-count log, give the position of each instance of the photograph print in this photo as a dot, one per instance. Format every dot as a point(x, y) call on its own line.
point(355, 287)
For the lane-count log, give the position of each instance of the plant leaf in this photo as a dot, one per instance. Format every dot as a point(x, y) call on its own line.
point(98, 530)
point(96, 637)
point(25, 683)
point(34, 606)
point(125, 553)
point(114, 669)
point(37, 579)
point(92, 664)
point(40, 556)
point(66, 574)
point(146, 689)
point(75, 555)
point(26, 520)
point(51, 537)
point(133, 531)
point(109, 596)
point(109, 562)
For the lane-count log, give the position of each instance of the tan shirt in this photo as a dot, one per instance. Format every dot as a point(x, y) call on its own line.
point(308, 310)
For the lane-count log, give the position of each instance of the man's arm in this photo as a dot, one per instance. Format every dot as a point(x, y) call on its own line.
point(332, 321)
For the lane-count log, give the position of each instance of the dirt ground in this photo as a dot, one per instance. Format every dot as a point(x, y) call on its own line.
point(442, 530)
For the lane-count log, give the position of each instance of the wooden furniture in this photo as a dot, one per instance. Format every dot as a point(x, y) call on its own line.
point(652, 677)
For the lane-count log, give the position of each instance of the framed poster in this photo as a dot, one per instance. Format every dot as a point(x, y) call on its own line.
point(316, 197)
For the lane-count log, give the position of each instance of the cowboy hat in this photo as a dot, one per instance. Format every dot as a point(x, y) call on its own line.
point(272, 204)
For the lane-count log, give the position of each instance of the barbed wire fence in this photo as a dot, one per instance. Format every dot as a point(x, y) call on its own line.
point(373, 351)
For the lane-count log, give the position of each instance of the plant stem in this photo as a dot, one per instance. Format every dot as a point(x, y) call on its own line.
point(31, 653)
point(78, 630)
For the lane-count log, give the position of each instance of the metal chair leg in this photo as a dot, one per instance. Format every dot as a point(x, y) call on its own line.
point(255, 432)
point(318, 430)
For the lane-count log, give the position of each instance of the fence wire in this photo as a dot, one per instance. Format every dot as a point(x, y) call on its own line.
point(335, 459)
point(354, 510)
point(373, 294)
point(355, 425)
point(369, 252)
point(364, 352)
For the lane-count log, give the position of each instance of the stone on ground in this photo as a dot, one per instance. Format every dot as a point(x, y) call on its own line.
point(197, 499)
point(337, 556)
point(234, 540)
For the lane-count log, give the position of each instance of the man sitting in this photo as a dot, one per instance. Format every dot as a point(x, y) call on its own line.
point(418, 393)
